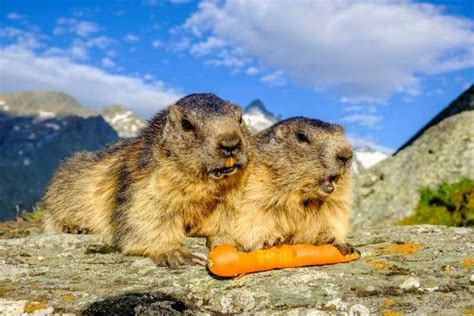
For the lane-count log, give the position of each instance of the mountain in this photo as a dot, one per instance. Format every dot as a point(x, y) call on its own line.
point(465, 102)
point(366, 157)
point(125, 122)
point(257, 117)
point(43, 104)
point(443, 152)
point(50, 104)
point(30, 151)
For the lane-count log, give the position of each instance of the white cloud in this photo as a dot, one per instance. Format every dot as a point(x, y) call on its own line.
point(229, 58)
point(156, 43)
point(22, 69)
point(359, 50)
point(79, 49)
point(180, 45)
point(100, 42)
point(78, 27)
point(204, 48)
point(276, 78)
point(365, 120)
point(148, 77)
point(252, 71)
point(228, 61)
point(107, 62)
point(14, 16)
point(358, 141)
point(21, 38)
point(131, 38)
point(358, 108)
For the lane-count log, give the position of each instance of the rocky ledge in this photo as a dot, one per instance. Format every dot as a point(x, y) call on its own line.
point(416, 269)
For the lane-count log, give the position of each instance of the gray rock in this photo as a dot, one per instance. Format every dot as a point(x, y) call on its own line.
point(411, 269)
point(389, 191)
point(410, 283)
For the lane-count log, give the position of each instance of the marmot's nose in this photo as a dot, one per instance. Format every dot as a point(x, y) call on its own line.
point(229, 144)
point(344, 155)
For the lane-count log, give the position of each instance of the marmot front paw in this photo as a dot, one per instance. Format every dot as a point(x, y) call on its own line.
point(74, 229)
point(345, 248)
point(174, 258)
point(274, 243)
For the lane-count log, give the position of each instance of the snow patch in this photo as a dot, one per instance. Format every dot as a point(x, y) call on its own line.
point(369, 158)
point(53, 126)
point(46, 114)
point(4, 106)
point(256, 120)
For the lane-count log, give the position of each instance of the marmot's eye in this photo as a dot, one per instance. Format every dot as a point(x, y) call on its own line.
point(241, 121)
point(302, 137)
point(186, 125)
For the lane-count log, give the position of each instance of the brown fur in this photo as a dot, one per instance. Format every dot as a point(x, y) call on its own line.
point(282, 201)
point(147, 193)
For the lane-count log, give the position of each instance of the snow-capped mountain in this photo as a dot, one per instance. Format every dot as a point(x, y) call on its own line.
point(366, 157)
point(50, 104)
point(257, 117)
point(125, 122)
point(45, 104)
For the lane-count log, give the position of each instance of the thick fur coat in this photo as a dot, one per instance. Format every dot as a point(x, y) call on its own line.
point(147, 193)
point(298, 190)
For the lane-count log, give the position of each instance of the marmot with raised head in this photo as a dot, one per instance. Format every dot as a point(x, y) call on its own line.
point(145, 194)
point(298, 190)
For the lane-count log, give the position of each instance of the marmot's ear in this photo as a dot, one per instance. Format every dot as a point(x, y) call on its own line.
point(279, 133)
point(174, 115)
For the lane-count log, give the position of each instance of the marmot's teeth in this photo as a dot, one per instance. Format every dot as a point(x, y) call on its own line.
point(328, 184)
point(219, 173)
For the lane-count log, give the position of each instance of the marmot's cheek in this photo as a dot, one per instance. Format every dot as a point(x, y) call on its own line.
point(242, 161)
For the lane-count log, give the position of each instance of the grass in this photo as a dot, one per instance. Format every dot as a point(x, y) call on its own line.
point(34, 216)
point(450, 205)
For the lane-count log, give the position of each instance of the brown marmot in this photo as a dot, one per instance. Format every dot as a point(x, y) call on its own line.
point(145, 194)
point(298, 189)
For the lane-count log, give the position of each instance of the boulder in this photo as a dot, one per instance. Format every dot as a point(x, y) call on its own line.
point(390, 190)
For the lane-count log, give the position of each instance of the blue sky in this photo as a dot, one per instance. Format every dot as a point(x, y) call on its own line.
point(381, 69)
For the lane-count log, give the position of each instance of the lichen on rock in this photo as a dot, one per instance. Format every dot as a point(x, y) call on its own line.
point(409, 269)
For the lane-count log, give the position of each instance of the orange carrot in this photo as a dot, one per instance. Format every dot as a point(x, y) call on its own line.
point(226, 261)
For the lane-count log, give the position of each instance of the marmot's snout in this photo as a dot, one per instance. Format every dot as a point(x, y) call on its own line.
point(341, 163)
point(232, 155)
point(229, 144)
point(344, 155)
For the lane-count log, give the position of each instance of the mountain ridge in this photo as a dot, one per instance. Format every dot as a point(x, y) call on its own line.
point(464, 102)
point(46, 104)
point(31, 149)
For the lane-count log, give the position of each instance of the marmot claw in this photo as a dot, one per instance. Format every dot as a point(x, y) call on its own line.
point(174, 258)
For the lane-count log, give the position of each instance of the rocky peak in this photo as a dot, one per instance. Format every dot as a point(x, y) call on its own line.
point(258, 117)
point(42, 104)
point(465, 102)
point(257, 104)
point(389, 191)
point(125, 122)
